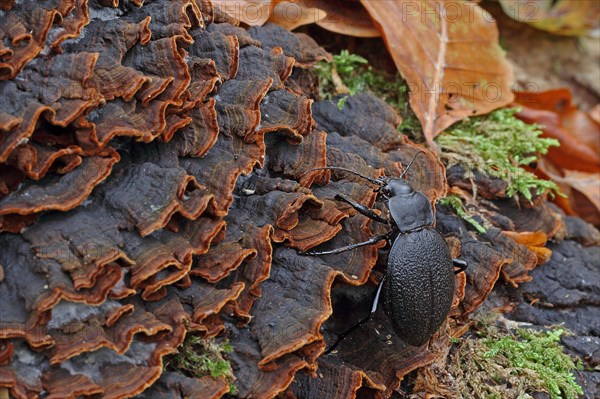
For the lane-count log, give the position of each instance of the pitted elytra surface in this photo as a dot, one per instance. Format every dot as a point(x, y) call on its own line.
point(419, 285)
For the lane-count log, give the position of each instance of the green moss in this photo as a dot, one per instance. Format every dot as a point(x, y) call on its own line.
point(352, 74)
point(199, 357)
point(498, 145)
point(343, 75)
point(454, 340)
point(456, 203)
point(513, 364)
point(540, 352)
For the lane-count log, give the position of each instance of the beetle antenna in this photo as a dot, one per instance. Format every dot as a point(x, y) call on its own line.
point(379, 182)
point(410, 163)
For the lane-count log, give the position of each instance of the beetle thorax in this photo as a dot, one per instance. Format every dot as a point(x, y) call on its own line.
point(410, 209)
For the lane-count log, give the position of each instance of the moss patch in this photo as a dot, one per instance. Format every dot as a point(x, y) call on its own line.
point(454, 202)
point(498, 145)
point(199, 357)
point(513, 364)
point(349, 74)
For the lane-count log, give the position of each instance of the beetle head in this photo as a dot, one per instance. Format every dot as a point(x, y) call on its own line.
point(396, 188)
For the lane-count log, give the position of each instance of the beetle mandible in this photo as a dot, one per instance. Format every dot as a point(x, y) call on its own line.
point(418, 285)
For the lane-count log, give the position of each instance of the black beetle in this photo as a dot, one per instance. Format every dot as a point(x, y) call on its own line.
point(419, 281)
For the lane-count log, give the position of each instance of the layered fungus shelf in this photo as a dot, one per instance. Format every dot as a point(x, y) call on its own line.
point(157, 180)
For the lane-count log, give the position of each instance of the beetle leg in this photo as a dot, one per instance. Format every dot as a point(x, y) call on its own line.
point(370, 241)
point(460, 264)
point(363, 210)
point(363, 321)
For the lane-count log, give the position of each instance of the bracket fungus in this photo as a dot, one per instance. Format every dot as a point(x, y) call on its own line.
point(157, 180)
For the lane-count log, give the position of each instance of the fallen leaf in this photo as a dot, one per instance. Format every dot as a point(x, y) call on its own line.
point(578, 133)
point(250, 12)
point(449, 54)
point(572, 153)
point(292, 14)
point(575, 165)
point(594, 113)
point(584, 195)
point(347, 17)
point(562, 17)
point(587, 184)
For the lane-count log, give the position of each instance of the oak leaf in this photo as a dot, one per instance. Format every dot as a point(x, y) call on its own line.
point(575, 165)
point(448, 53)
point(577, 131)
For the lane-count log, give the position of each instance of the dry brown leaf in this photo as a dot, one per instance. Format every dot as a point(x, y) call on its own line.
point(573, 153)
point(292, 14)
point(347, 17)
point(586, 183)
point(449, 54)
point(594, 113)
point(583, 190)
point(562, 17)
point(250, 12)
point(575, 165)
